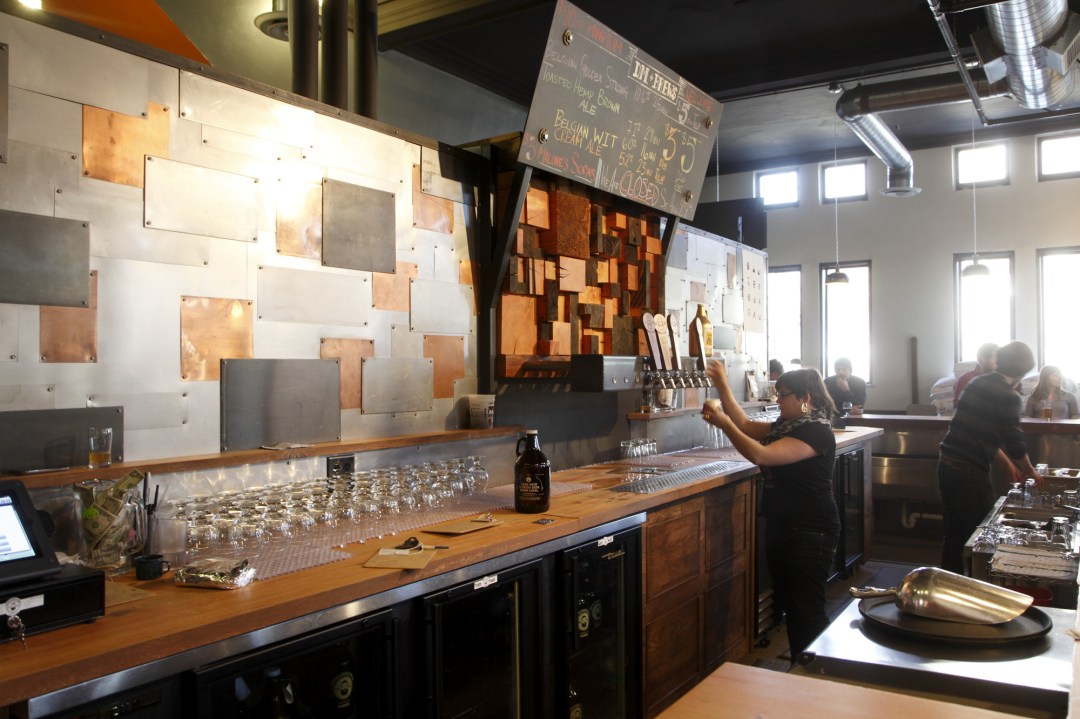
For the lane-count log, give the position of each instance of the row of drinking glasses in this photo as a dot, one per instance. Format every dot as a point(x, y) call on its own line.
point(993, 535)
point(374, 501)
point(629, 448)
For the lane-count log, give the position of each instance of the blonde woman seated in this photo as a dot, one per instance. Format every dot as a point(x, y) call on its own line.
point(1048, 400)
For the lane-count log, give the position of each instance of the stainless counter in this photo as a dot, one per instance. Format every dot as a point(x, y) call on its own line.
point(1029, 679)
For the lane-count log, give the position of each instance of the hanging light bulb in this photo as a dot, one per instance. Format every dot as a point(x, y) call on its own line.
point(836, 277)
point(974, 270)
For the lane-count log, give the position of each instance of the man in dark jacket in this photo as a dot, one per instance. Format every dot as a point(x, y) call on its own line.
point(984, 428)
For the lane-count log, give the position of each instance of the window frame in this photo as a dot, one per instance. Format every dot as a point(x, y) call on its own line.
point(957, 149)
point(777, 171)
point(822, 167)
point(958, 259)
point(1041, 176)
point(824, 269)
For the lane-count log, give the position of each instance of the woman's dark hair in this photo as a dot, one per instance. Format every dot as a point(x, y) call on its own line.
point(776, 367)
point(1042, 389)
point(1015, 360)
point(807, 381)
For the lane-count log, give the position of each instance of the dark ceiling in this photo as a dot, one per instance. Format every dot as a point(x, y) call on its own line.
point(769, 61)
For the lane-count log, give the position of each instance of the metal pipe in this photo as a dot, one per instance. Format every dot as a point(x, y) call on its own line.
point(304, 47)
point(335, 53)
point(1022, 28)
point(958, 60)
point(367, 57)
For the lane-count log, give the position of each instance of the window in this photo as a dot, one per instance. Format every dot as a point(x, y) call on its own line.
point(981, 165)
point(846, 318)
point(843, 181)
point(785, 314)
point(778, 188)
point(984, 305)
point(1059, 156)
point(1059, 342)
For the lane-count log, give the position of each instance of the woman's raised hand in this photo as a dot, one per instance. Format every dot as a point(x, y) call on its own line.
point(717, 372)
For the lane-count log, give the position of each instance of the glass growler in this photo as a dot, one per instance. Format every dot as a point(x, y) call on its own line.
point(706, 330)
point(532, 476)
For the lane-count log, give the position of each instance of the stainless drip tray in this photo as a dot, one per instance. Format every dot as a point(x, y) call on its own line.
point(656, 483)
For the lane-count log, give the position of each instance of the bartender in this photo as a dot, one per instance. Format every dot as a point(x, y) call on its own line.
point(985, 428)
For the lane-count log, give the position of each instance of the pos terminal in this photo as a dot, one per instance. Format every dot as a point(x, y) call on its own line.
point(36, 592)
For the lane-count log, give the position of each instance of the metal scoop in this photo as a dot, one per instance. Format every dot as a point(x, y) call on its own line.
point(940, 594)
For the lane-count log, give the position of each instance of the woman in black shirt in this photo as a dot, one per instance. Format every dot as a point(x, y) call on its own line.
point(796, 454)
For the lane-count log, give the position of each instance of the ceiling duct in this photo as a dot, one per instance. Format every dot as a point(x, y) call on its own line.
point(857, 107)
point(1034, 43)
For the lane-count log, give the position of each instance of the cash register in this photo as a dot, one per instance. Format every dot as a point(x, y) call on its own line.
point(37, 593)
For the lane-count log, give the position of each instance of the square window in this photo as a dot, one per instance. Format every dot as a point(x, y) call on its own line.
point(981, 165)
point(1059, 157)
point(843, 181)
point(779, 188)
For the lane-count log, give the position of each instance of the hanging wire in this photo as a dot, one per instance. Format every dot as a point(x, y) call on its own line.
point(974, 269)
point(836, 276)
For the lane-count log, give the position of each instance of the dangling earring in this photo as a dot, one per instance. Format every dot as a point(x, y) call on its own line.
point(805, 408)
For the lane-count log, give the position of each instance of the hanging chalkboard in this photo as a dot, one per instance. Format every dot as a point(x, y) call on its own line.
point(606, 114)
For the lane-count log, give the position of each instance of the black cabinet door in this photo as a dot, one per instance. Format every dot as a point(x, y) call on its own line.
point(848, 477)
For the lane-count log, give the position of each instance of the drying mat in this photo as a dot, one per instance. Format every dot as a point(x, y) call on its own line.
point(1016, 561)
point(323, 545)
point(658, 460)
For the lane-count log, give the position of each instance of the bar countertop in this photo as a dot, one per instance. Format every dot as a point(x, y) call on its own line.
point(171, 627)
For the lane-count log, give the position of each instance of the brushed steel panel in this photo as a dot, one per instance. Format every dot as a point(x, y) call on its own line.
point(5, 51)
point(430, 212)
point(247, 144)
point(230, 108)
point(447, 267)
point(349, 353)
point(362, 151)
point(115, 213)
point(404, 342)
point(27, 396)
point(267, 401)
point(679, 251)
point(37, 439)
point(200, 201)
point(9, 333)
point(61, 65)
point(46, 260)
point(397, 384)
point(150, 410)
point(299, 223)
point(45, 121)
point(33, 175)
point(314, 297)
point(358, 227)
point(70, 334)
point(441, 307)
point(444, 175)
point(211, 329)
point(115, 144)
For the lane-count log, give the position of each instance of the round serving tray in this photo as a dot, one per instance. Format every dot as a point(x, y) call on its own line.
point(882, 612)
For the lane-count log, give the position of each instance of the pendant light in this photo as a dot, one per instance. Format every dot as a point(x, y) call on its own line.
point(974, 270)
point(836, 277)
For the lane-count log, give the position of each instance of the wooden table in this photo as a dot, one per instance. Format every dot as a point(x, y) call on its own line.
point(735, 691)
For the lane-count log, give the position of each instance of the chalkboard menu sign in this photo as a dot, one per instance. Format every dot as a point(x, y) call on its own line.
point(606, 114)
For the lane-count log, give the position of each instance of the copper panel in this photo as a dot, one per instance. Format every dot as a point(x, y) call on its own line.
point(69, 334)
point(212, 329)
point(448, 357)
point(114, 144)
point(349, 353)
point(430, 212)
point(465, 272)
point(299, 220)
point(391, 291)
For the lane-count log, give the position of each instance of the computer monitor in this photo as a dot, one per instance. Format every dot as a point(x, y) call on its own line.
point(25, 550)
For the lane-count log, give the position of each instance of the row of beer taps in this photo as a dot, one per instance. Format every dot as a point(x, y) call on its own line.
point(664, 370)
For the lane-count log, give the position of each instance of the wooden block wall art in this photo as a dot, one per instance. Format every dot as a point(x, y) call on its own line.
point(633, 230)
point(430, 212)
point(391, 291)
point(610, 289)
point(552, 306)
point(623, 336)
point(653, 246)
point(591, 273)
point(570, 224)
point(299, 220)
point(518, 326)
point(537, 274)
point(447, 355)
point(531, 244)
point(571, 274)
point(616, 221)
point(69, 334)
point(537, 207)
point(519, 241)
point(515, 277)
point(350, 354)
point(628, 277)
point(603, 271)
point(591, 295)
point(114, 145)
point(611, 308)
point(212, 329)
point(592, 316)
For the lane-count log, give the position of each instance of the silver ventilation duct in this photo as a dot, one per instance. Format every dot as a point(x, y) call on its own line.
point(1034, 43)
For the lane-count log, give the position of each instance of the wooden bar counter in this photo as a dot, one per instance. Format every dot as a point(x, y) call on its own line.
point(178, 628)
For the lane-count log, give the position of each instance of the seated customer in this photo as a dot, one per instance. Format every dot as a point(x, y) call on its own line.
point(1048, 394)
point(846, 387)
